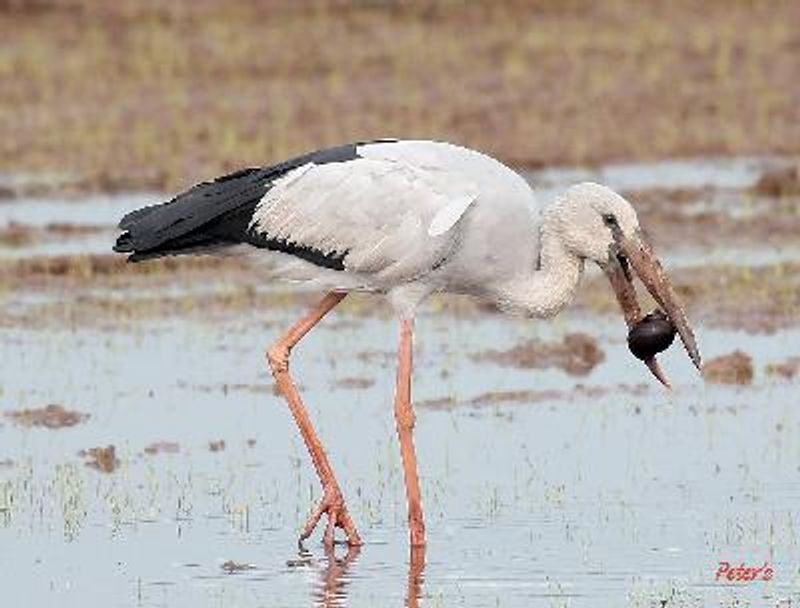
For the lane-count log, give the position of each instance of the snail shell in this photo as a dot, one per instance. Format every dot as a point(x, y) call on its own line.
point(653, 334)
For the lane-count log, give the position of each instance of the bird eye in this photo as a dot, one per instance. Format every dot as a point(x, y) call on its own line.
point(609, 219)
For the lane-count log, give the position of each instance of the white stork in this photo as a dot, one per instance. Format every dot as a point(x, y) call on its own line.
point(406, 219)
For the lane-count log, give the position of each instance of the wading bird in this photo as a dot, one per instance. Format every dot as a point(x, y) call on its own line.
point(405, 219)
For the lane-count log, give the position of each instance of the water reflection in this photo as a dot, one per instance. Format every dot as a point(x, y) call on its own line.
point(336, 576)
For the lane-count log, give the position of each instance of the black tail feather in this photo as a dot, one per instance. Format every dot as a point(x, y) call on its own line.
point(209, 214)
point(124, 243)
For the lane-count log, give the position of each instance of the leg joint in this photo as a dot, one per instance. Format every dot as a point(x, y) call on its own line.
point(278, 358)
point(405, 416)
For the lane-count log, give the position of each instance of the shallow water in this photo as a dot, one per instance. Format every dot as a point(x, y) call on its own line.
point(596, 501)
point(722, 173)
point(619, 496)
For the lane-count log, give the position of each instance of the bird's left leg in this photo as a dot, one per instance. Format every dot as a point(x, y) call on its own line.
point(332, 502)
point(404, 417)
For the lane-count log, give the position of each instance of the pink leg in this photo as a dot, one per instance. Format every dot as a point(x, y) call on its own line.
point(404, 417)
point(332, 502)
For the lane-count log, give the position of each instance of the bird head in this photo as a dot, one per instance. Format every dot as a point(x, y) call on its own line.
point(596, 223)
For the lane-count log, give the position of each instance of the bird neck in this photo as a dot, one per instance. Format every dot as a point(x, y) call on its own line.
point(544, 291)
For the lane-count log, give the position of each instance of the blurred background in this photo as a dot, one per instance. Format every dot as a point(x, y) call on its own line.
point(147, 94)
point(145, 459)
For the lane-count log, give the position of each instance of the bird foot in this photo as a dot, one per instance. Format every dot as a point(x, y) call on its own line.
point(332, 505)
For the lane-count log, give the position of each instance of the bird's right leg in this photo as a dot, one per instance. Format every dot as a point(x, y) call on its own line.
point(332, 503)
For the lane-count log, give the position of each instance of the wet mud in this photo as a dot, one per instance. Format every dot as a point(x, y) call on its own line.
point(577, 394)
point(577, 354)
point(784, 181)
point(162, 447)
point(51, 416)
point(232, 567)
point(103, 459)
point(734, 368)
point(217, 445)
point(788, 368)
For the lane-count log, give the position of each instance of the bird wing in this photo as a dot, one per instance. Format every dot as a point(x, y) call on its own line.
point(386, 218)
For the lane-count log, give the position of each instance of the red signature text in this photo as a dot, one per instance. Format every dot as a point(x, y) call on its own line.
point(742, 573)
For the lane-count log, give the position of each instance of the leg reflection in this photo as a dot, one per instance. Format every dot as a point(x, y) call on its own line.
point(335, 575)
point(332, 590)
point(416, 567)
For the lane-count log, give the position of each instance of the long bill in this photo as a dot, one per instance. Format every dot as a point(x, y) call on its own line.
point(620, 279)
point(638, 251)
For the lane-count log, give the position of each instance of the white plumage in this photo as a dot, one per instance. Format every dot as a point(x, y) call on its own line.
point(399, 214)
point(370, 210)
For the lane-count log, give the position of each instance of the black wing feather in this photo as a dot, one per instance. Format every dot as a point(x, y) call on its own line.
point(218, 213)
point(152, 226)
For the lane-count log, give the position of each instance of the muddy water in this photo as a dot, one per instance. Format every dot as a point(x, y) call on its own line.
point(614, 495)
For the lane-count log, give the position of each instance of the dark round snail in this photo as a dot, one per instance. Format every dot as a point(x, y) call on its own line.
point(651, 335)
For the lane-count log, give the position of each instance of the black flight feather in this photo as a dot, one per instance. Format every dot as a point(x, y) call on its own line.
point(218, 213)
